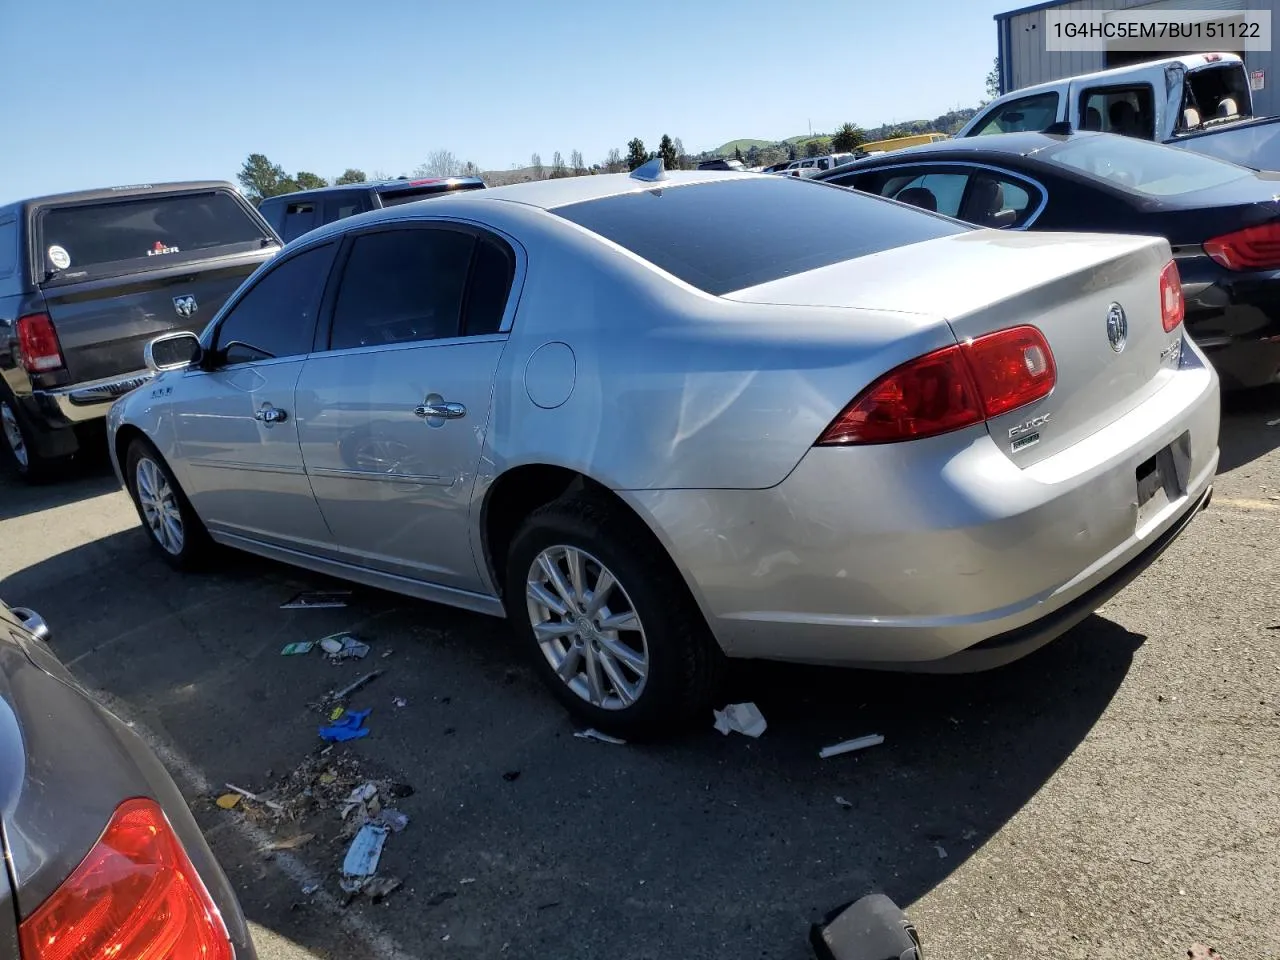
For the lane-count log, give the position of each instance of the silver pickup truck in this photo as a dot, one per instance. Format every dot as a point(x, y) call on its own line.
point(1199, 102)
point(86, 280)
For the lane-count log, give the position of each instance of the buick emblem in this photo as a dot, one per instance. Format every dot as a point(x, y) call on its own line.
point(1117, 327)
point(185, 306)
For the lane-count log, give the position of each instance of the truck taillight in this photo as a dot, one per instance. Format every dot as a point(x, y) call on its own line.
point(136, 894)
point(38, 342)
point(1253, 248)
point(1173, 308)
point(948, 389)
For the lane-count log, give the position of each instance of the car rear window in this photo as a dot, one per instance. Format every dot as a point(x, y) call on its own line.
point(391, 198)
point(1149, 168)
point(123, 235)
point(732, 234)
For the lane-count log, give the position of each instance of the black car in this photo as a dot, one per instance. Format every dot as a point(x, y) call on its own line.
point(87, 280)
point(293, 214)
point(104, 857)
point(1222, 220)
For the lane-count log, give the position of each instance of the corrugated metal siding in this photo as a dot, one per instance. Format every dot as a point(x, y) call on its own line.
point(1031, 63)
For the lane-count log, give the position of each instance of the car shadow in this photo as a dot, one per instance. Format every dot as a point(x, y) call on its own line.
point(87, 475)
point(1250, 426)
point(705, 845)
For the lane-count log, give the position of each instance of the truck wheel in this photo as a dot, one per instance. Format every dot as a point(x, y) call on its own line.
point(17, 449)
point(168, 519)
point(609, 621)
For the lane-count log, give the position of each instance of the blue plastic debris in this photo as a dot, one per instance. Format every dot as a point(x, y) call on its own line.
point(349, 727)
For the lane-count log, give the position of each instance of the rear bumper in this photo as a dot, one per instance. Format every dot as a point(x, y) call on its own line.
point(1235, 319)
point(85, 401)
point(906, 556)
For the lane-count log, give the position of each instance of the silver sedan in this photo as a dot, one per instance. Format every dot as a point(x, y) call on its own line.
point(658, 419)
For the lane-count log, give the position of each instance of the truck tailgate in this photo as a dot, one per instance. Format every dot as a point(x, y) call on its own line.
point(103, 324)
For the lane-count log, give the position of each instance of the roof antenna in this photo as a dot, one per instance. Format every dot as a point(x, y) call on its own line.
point(650, 172)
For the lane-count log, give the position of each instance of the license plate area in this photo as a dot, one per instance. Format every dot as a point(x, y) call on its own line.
point(1162, 479)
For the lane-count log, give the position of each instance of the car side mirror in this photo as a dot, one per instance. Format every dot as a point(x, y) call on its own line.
point(173, 351)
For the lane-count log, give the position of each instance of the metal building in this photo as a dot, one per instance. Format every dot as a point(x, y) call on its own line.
point(1025, 61)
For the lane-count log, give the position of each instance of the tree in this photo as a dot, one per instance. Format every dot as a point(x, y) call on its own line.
point(469, 169)
point(682, 158)
point(306, 180)
point(637, 156)
point(539, 172)
point(613, 163)
point(753, 156)
point(440, 163)
point(261, 178)
point(848, 138)
point(558, 168)
point(813, 148)
point(667, 151)
point(993, 80)
point(350, 175)
point(575, 161)
point(737, 154)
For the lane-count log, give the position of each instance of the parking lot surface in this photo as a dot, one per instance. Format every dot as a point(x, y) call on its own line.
point(1114, 795)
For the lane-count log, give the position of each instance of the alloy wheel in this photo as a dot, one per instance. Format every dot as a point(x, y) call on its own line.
point(13, 435)
point(587, 627)
point(160, 508)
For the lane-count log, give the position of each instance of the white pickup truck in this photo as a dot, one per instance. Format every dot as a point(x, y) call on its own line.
point(1199, 101)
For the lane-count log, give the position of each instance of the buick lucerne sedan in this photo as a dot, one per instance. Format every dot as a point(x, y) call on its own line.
point(658, 419)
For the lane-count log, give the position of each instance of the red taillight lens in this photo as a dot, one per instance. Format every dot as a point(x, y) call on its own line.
point(39, 343)
point(136, 896)
point(951, 388)
point(1254, 248)
point(1012, 368)
point(1173, 308)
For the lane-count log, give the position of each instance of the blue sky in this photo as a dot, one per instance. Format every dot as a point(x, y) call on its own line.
point(101, 92)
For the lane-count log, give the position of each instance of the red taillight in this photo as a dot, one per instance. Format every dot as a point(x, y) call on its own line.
point(951, 388)
point(39, 343)
point(1253, 248)
point(1173, 308)
point(136, 895)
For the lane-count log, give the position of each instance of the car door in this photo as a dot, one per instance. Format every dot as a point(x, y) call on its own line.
point(235, 426)
point(393, 414)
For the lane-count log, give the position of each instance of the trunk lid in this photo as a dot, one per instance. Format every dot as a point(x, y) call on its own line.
point(103, 324)
point(1063, 284)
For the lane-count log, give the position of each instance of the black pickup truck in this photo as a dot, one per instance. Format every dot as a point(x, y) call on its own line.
point(87, 279)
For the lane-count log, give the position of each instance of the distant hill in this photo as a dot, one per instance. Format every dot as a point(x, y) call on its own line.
point(948, 123)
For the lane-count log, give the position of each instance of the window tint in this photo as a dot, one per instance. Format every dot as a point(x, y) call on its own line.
point(1128, 111)
point(345, 205)
point(277, 317)
point(995, 201)
point(1027, 113)
point(146, 231)
point(1144, 167)
point(732, 234)
point(8, 247)
point(300, 217)
point(401, 285)
point(938, 192)
point(492, 271)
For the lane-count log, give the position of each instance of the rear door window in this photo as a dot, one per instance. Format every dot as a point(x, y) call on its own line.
point(276, 317)
point(300, 216)
point(8, 246)
point(342, 205)
point(731, 234)
point(402, 285)
point(929, 190)
point(124, 236)
point(1032, 113)
point(1127, 111)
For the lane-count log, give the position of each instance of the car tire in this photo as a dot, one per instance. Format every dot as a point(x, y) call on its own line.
point(168, 519)
point(656, 665)
point(17, 449)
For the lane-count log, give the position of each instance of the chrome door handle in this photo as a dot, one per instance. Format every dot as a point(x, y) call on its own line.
point(32, 621)
point(443, 409)
point(269, 414)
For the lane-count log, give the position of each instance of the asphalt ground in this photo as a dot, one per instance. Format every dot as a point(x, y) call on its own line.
point(1114, 795)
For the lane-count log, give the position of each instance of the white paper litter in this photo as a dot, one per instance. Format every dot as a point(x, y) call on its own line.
point(365, 851)
point(592, 734)
point(358, 798)
point(744, 718)
point(842, 802)
point(861, 743)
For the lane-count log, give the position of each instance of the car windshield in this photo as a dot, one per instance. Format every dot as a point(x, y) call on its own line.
point(731, 234)
point(1143, 167)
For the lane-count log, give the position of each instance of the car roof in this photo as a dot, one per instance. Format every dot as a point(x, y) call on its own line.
point(130, 190)
point(1191, 61)
point(1005, 144)
point(381, 186)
